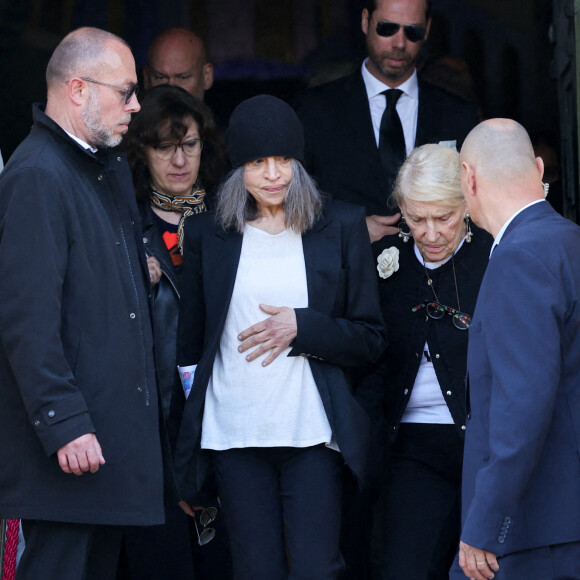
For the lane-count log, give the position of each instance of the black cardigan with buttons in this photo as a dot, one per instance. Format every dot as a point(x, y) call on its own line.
point(387, 386)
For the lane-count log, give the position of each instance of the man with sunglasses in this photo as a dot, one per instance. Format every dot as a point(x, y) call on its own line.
point(355, 142)
point(80, 446)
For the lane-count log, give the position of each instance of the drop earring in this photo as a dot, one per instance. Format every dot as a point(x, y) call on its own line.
point(404, 234)
point(468, 232)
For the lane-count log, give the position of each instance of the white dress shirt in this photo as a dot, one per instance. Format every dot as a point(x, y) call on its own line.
point(407, 105)
point(82, 143)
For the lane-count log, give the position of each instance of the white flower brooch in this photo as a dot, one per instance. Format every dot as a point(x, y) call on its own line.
point(388, 262)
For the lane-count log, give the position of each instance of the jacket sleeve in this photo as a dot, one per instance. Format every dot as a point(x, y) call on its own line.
point(356, 335)
point(33, 270)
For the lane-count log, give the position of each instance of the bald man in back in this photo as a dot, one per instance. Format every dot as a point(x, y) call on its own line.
point(177, 57)
point(521, 474)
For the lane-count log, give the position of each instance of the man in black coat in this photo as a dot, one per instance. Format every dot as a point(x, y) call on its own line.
point(343, 120)
point(79, 422)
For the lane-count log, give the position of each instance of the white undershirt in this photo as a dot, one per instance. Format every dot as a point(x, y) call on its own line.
point(426, 403)
point(407, 105)
point(82, 143)
point(248, 405)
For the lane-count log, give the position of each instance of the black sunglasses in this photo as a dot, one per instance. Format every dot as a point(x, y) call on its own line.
point(413, 32)
point(435, 310)
point(207, 516)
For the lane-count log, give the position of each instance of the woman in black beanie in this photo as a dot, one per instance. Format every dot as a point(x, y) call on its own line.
point(279, 297)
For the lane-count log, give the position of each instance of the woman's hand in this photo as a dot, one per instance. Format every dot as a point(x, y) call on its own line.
point(273, 334)
point(154, 270)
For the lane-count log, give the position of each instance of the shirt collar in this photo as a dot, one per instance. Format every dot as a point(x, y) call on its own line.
point(510, 220)
point(375, 87)
point(82, 143)
point(435, 265)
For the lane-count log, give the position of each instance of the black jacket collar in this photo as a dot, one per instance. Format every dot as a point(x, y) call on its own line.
point(43, 121)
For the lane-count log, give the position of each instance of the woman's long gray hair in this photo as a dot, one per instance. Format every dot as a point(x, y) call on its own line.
point(302, 206)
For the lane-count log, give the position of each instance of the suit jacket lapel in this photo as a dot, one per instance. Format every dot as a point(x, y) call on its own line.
point(321, 247)
point(427, 118)
point(359, 117)
point(220, 269)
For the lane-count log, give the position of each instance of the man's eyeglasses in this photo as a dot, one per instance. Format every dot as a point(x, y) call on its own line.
point(207, 516)
point(413, 32)
point(435, 310)
point(128, 92)
point(191, 148)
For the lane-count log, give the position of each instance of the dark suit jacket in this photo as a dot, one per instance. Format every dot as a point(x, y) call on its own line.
point(76, 347)
point(521, 477)
point(341, 151)
point(341, 327)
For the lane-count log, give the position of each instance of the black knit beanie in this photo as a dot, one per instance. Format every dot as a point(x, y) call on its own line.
point(264, 126)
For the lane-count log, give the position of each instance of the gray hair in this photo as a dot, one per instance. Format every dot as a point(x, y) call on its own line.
point(236, 206)
point(79, 53)
point(430, 174)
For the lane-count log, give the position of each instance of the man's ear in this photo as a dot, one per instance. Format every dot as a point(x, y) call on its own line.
point(365, 21)
point(207, 76)
point(468, 180)
point(78, 91)
point(540, 166)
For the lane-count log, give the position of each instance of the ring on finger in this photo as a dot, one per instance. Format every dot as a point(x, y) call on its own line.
point(479, 564)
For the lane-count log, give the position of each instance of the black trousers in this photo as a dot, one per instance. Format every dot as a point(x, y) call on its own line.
point(282, 509)
point(161, 552)
point(417, 518)
point(358, 508)
point(59, 551)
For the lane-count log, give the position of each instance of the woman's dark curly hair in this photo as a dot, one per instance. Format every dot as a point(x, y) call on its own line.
point(170, 107)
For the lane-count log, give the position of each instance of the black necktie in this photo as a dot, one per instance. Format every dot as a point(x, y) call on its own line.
point(392, 151)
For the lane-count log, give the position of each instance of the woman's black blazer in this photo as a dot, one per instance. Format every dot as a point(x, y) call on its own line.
point(341, 327)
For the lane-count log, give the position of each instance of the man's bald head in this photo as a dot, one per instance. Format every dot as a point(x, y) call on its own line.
point(499, 173)
point(79, 54)
point(177, 57)
point(500, 149)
